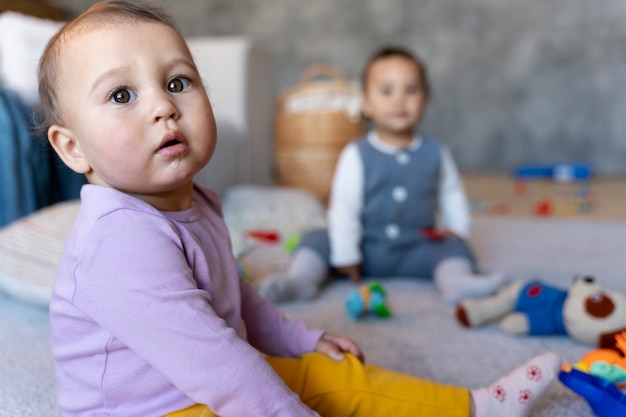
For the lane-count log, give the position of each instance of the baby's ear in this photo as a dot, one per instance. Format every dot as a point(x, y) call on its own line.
point(64, 143)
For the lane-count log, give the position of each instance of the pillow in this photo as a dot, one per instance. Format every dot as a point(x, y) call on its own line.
point(22, 42)
point(30, 249)
point(281, 210)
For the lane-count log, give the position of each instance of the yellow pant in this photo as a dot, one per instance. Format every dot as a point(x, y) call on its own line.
point(349, 388)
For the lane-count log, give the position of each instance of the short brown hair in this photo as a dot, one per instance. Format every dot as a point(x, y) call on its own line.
point(392, 51)
point(100, 14)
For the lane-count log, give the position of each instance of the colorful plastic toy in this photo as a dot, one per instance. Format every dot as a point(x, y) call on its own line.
point(367, 299)
point(290, 242)
point(597, 376)
point(562, 172)
point(603, 397)
point(608, 364)
point(264, 236)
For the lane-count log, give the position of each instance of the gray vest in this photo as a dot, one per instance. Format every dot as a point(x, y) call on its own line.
point(400, 193)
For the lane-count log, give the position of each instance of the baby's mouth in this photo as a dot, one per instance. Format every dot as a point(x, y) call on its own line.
point(169, 143)
point(173, 144)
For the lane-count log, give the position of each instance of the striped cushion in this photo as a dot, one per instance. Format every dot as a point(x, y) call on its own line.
point(30, 249)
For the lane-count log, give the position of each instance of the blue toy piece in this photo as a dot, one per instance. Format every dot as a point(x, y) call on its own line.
point(603, 397)
point(367, 299)
point(563, 172)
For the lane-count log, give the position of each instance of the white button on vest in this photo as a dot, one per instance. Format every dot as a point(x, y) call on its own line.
point(399, 193)
point(403, 158)
point(392, 231)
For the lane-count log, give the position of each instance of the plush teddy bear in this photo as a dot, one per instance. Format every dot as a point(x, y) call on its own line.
point(587, 313)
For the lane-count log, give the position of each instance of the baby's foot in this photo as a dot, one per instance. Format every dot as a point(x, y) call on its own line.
point(456, 288)
point(514, 394)
point(281, 288)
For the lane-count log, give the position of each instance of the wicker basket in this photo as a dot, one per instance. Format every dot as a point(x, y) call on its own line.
point(314, 121)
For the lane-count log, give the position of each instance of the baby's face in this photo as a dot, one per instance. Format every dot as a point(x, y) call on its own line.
point(395, 97)
point(132, 97)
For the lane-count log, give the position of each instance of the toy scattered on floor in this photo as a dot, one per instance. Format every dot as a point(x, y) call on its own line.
point(562, 172)
point(264, 236)
point(604, 398)
point(543, 208)
point(367, 299)
point(564, 207)
point(579, 203)
point(587, 312)
point(290, 242)
point(520, 187)
point(265, 252)
point(479, 206)
point(243, 273)
point(597, 376)
point(608, 363)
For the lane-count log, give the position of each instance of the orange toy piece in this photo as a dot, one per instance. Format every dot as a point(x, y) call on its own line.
point(520, 187)
point(607, 364)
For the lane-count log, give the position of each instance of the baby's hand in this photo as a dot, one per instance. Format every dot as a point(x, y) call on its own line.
point(351, 271)
point(335, 346)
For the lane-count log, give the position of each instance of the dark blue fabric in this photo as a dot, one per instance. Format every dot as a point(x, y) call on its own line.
point(543, 306)
point(411, 253)
point(417, 171)
point(31, 175)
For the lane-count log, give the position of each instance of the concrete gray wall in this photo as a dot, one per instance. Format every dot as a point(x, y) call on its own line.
point(514, 82)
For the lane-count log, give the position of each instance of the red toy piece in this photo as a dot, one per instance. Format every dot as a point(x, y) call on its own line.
point(433, 234)
point(543, 208)
point(267, 236)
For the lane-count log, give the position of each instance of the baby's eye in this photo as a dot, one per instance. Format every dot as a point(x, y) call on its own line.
point(178, 85)
point(413, 89)
point(122, 95)
point(386, 91)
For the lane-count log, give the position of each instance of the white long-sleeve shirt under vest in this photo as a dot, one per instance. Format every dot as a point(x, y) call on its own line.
point(346, 201)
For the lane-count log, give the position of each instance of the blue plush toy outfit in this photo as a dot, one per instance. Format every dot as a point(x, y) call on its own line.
point(543, 305)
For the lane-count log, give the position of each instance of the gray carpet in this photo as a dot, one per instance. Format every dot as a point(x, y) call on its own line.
point(422, 338)
point(26, 370)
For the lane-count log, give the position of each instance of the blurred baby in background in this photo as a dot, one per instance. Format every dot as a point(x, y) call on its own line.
point(398, 206)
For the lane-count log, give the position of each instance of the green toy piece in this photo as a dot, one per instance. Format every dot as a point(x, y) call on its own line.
point(367, 299)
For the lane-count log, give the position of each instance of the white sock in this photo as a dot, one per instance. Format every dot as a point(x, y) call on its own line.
point(456, 281)
point(514, 394)
point(302, 279)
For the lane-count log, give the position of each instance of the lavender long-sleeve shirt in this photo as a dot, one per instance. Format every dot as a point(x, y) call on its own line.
point(148, 316)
